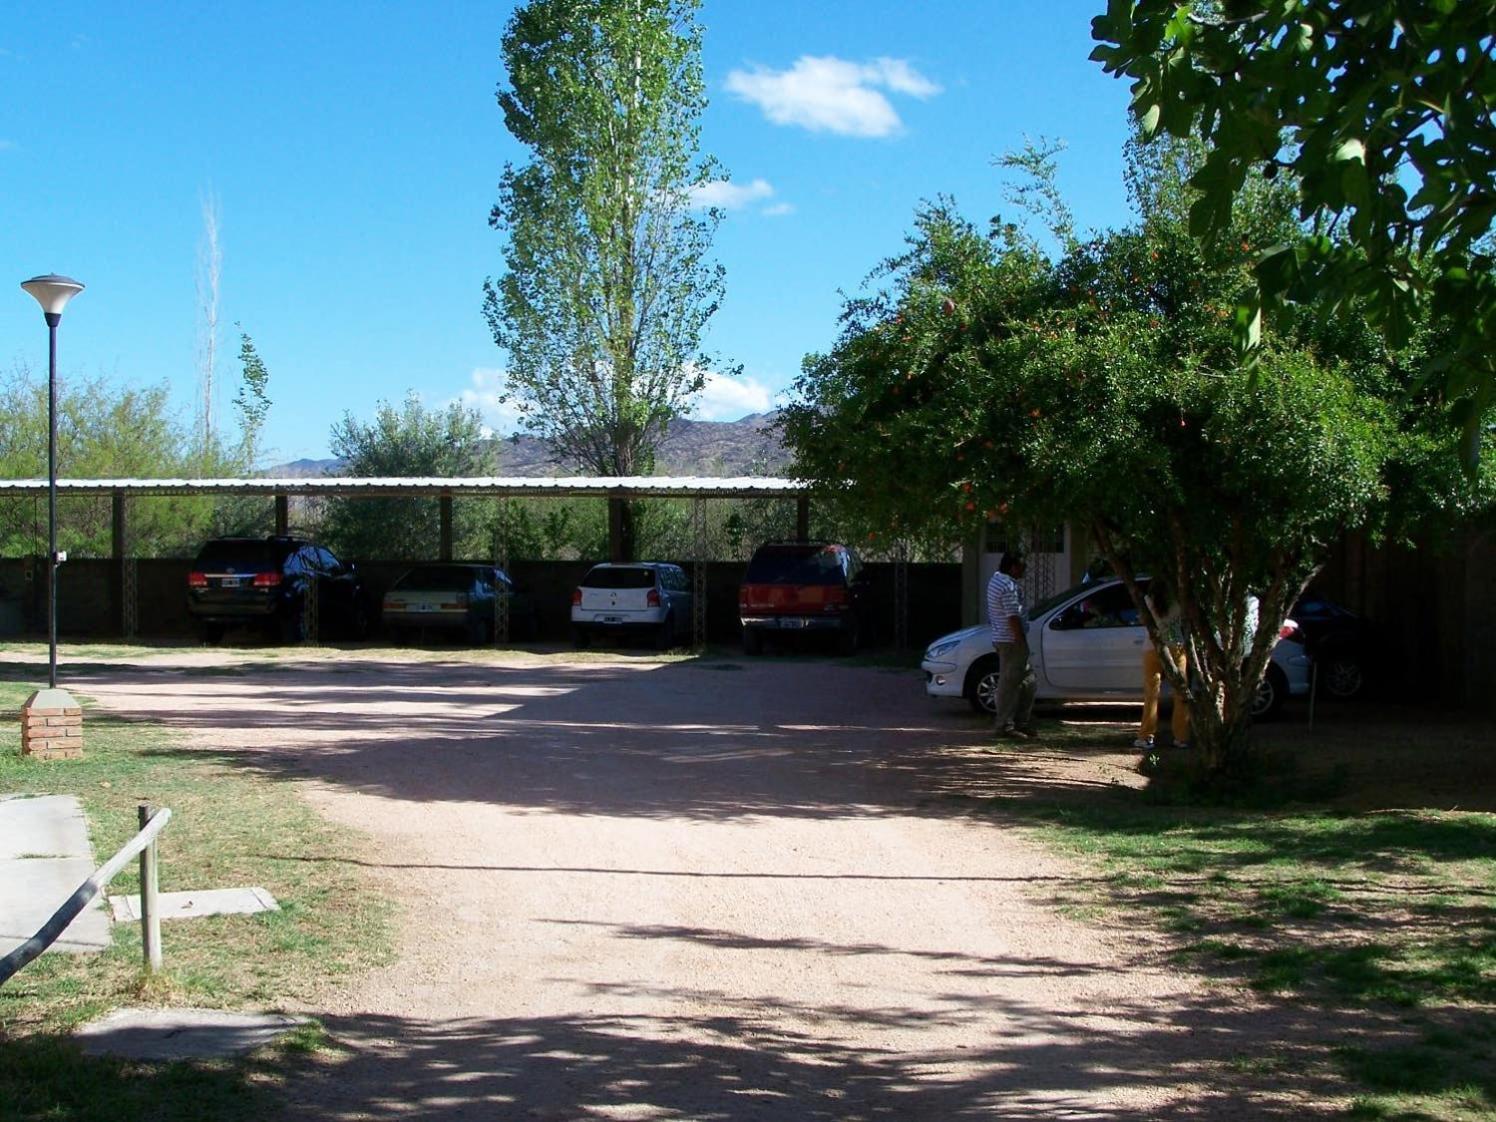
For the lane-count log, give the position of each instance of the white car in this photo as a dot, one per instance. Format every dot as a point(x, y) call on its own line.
point(642, 598)
point(1086, 644)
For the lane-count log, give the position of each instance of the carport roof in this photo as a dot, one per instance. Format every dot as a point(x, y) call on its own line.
point(624, 486)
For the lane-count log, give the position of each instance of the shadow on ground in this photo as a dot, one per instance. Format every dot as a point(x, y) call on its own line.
point(740, 1061)
point(693, 739)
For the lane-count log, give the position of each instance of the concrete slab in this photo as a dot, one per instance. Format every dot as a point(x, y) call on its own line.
point(32, 889)
point(44, 826)
point(190, 905)
point(44, 857)
point(180, 1034)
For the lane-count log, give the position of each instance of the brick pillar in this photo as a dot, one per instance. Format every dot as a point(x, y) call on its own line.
point(52, 726)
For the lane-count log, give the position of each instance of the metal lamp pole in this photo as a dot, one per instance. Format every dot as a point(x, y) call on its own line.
point(52, 292)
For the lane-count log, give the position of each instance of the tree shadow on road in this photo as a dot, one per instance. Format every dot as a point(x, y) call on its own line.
point(739, 1060)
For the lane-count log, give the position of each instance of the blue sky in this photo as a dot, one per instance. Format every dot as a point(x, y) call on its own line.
point(354, 150)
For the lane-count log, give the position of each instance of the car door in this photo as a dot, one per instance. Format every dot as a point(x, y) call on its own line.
point(1093, 645)
point(334, 589)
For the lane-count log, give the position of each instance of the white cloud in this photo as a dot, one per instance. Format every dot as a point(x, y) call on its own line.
point(730, 196)
point(721, 399)
point(778, 210)
point(829, 94)
point(728, 399)
point(483, 394)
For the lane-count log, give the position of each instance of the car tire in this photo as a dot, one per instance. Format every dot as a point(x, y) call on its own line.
point(580, 639)
point(849, 639)
point(1271, 693)
point(981, 684)
point(1343, 676)
point(288, 628)
point(665, 633)
point(212, 633)
point(753, 642)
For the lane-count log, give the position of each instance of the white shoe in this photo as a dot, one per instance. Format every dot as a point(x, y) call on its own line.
point(1143, 742)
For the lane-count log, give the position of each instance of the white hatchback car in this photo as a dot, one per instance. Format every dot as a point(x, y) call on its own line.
point(643, 598)
point(1086, 644)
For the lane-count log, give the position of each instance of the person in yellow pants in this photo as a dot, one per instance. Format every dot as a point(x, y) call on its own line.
point(1171, 631)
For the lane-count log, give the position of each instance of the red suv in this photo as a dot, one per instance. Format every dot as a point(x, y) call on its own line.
point(794, 588)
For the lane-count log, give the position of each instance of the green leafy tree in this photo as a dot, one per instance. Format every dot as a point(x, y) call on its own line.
point(1384, 117)
point(237, 515)
point(985, 381)
point(103, 432)
point(608, 284)
point(407, 441)
point(252, 402)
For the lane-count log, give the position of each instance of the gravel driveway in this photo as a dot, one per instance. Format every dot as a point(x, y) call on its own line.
point(701, 890)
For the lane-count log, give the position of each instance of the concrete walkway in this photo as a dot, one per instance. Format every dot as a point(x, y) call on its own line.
point(44, 856)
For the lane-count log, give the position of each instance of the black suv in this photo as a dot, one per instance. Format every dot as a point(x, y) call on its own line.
point(798, 588)
point(266, 582)
point(1342, 644)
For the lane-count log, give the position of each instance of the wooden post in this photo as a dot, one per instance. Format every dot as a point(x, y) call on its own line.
point(118, 545)
point(150, 912)
point(615, 530)
point(802, 518)
point(446, 528)
point(282, 516)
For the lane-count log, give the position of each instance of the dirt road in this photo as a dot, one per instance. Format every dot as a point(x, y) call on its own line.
point(701, 890)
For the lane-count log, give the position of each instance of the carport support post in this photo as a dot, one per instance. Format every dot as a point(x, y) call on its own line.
point(282, 516)
point(150, 910)
point(615, 530)
point(802, 518)
point(120, 539)
point(445, 506)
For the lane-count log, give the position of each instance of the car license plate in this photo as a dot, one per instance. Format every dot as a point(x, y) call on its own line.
point(612, 619)
point(792, 622)
point(228, 582)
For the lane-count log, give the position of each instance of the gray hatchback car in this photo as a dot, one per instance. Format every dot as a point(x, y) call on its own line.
point(649, 599)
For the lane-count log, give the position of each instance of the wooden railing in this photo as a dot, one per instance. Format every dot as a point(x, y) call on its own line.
point(152, 822)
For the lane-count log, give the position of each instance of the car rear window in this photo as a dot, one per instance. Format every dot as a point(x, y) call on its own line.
point(804, 564)
point(619, 577)
point(243, 554)
point(439, 578)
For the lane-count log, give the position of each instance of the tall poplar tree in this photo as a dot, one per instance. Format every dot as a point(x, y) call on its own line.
point(608, 284)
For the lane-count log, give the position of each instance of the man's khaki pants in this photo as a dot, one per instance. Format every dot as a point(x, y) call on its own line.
point(1016, 685)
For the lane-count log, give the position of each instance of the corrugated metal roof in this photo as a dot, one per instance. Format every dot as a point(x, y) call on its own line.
point(496, 486)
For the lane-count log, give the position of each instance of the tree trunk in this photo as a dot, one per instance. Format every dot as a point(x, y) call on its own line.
point(622, 530)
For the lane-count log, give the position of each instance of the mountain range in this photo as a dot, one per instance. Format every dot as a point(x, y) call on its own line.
point(748, 446)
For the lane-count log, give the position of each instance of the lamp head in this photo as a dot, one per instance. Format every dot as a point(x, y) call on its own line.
point(52, 292)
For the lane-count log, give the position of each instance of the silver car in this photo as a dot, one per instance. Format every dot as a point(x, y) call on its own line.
point(1086, 644)
point(649, 599)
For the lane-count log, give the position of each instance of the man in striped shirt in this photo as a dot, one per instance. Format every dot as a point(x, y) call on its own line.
point(1015, 676)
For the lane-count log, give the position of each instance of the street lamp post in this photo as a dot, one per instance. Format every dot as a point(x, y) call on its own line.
point(52, 292)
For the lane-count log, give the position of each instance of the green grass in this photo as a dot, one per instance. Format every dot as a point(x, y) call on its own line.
point(1389, 910)
point(1441, 1078)
point(229, 829)
point(1322, 902)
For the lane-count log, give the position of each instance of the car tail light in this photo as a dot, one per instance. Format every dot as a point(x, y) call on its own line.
point(576, 598)
point(653, 599)
point(267, 580)
point(835, 601)
point(197, 580)
point(1289, 630)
